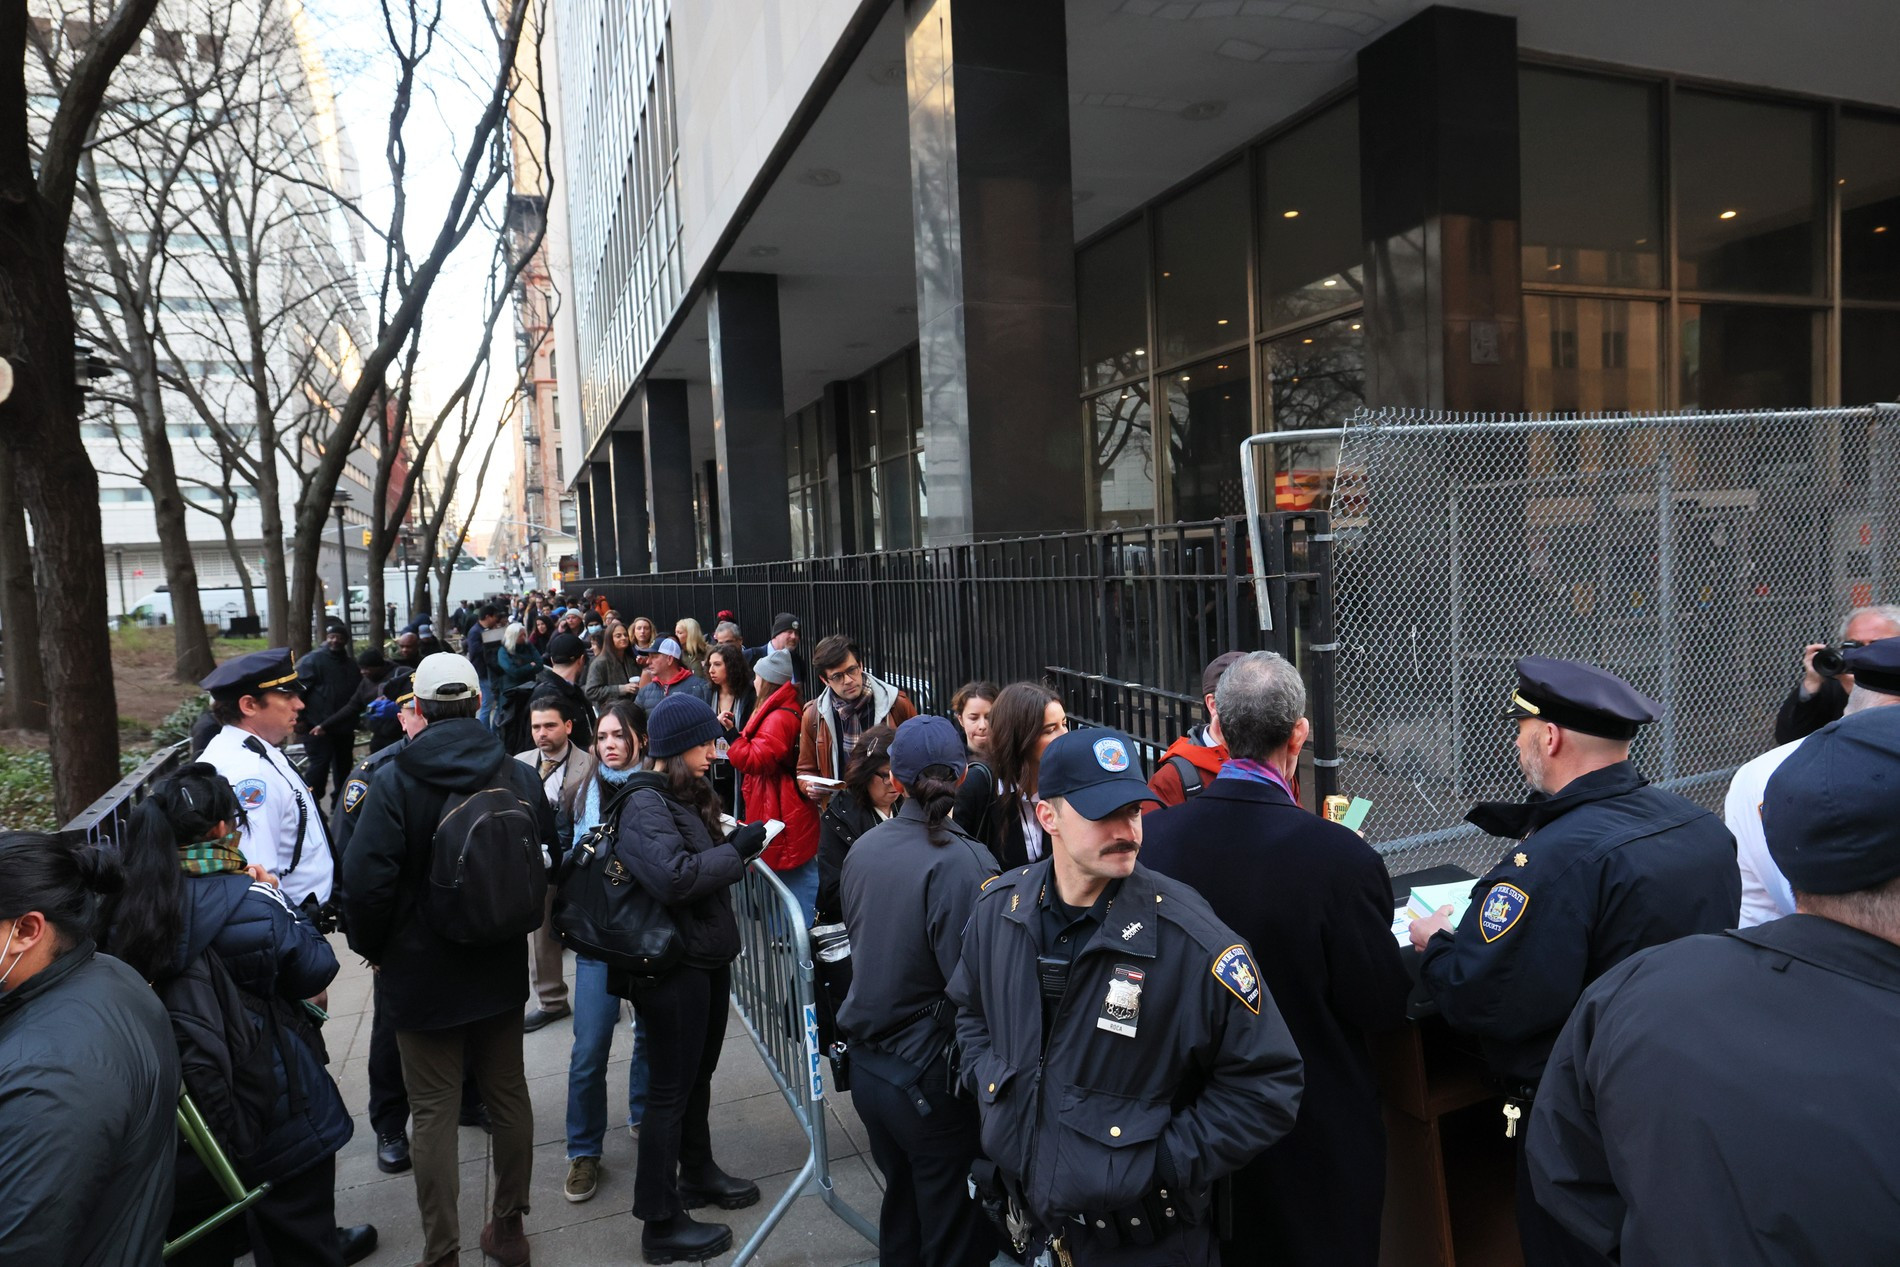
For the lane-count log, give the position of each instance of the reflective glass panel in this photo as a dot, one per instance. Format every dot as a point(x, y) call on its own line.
point(1870, 356)
point(1312, 251)
point(1869, 176)
point(1315, 378)
point(1748, 195)
point(1122, 460)
point(1591, 161)
point(1739, 356)
point(1201, 266)
point(1591, 355)
point(1111, 302)
point(1210, 411)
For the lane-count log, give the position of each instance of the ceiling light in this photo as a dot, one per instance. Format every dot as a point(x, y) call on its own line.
point(1553, 268)
point(1167, 274)
point(1355, 325)
point(874, 413)
point(1184, 378)
point(1221, 321)
point(1841, 181)
point(1296, 380)
point(1728, 215)
point(1226, 397)
point(1220, 367)
point(1330, 281)
point(1880, 228)
point(1642, 241)
point(1290, 215)
point(1305, 340)
point(1141, 351)
point(1124, 395)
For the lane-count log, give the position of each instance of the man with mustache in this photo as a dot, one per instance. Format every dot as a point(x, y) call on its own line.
point(1122, 1051)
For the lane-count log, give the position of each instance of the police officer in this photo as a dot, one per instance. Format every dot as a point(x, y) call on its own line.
point(256, 698)
point(1601, 866)
point(1732, 1099)
point(908, 887)
point(1121, 1049)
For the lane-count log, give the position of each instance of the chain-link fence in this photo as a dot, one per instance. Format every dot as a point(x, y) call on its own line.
point(1692, 554)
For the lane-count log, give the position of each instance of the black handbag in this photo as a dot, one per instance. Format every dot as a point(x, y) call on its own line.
point(601, 911)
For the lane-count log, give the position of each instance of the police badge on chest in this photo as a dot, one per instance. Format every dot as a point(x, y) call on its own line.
point(1121, 1010)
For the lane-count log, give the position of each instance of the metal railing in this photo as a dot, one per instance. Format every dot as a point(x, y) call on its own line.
point(773, 986)
point(103, 821)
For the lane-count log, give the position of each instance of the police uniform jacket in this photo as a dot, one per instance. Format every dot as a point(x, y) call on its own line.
point(283, 823)
point(1095, 1120)
point(343, 821)
point(1731, 1099)
point(906, 900)
point(1607, 867)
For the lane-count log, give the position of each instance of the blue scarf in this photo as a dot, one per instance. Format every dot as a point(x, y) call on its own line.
point(587, 817)
point(1256, 772)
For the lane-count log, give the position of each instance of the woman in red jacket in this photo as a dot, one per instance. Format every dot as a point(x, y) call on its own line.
point(765, 754)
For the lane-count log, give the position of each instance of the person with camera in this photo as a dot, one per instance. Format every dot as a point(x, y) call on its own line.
point(188, 892)
point(671, 840)
point(1821, 695)
point(909, 885)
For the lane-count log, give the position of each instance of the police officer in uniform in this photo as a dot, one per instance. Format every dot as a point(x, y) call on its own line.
point(1601, 865)
point(1733, 1099)
point(255, 699)
point(1123, 1054)
point(908, 887)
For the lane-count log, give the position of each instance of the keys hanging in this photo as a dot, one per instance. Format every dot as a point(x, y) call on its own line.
point(1511, 1114)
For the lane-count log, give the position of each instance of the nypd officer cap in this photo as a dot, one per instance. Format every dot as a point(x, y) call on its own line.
point(1093, 770)
point(1580, 697)
point(253, 674)
point(1828, 811)
point(1876, 665)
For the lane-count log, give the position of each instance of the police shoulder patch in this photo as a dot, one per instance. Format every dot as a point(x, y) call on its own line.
point(250, 793)
point(353, 794)
point(1233, 968)
point(1500, 910)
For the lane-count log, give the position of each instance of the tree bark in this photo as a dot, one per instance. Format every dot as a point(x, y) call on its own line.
point(23, 705)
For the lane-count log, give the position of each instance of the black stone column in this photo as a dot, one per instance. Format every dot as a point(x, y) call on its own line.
point(669, 465)
point(629, 459)
point(837, 416)
point(601, 476)
point(1438, 149)
point(584, 515)
point(995, 234)
point(748, 391)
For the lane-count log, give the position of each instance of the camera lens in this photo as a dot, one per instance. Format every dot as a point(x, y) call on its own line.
point(1829, 662)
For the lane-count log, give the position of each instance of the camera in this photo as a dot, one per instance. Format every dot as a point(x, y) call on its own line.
point(1831, 662)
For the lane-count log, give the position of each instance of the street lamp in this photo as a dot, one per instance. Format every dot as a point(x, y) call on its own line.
point(341, 500)
point(118, 556)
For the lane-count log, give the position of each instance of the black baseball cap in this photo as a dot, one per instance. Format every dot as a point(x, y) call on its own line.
point(565, 648)
point(1093, 770)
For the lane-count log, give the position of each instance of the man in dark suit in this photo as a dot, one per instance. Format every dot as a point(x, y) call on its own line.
point(1314, 901)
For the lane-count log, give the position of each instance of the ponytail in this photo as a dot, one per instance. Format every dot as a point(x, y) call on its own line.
point(59, 876)
point(935, 792)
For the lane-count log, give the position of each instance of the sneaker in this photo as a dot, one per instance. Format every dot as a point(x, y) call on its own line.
point(633, 1130)
point(583, 1179)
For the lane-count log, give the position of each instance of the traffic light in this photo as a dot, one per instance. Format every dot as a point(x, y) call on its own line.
point(366, 536)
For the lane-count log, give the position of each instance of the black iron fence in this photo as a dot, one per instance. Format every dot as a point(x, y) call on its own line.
point(103, 821)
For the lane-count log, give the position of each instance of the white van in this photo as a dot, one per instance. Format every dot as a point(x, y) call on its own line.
point(219, 606)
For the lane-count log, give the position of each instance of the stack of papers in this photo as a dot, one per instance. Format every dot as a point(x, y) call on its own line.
point(1426, 900)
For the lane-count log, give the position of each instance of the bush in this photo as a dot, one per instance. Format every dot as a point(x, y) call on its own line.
point(26, 787)
point(177, 723)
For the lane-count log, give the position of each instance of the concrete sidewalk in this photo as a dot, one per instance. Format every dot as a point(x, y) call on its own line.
point(753, 1131)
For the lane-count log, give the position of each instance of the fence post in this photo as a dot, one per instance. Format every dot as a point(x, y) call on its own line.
point(1666, 598)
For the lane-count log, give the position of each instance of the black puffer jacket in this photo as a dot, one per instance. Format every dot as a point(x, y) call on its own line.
point(839, 827)
point(428, 982)
point(330, 679)
point(667, 847)
point(88, 1098)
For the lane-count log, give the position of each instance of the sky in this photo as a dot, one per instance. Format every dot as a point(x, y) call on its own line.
point(452, 90)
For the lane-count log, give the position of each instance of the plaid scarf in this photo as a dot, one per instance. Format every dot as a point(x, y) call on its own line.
point(212, 857)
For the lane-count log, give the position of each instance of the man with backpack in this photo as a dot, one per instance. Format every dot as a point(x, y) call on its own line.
point(444, 875)
point(1194, 760)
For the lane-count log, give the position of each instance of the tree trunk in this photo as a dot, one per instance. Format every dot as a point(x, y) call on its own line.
point(23, 705)
point(227, 520)
point(191, 648)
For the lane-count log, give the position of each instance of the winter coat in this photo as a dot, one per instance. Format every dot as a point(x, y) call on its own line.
point(517, 666)
point(685, 684)
point(817, 735)
point(88, 1106)
point(669, 851)
point(330, 679)
point(766, 754)
point(552, 683)
point(426, 981)
point(271, 951)
point(1199, 750)
point(844, 820)
point(607, 677)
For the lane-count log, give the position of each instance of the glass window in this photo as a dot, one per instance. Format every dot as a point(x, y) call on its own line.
point(1201, 266)
point(1870, 356)
point(1312, 250)
point(1121, 432)
point(1748, 195)
point(1111, 301)
point(1210, 411)
point(1739, 356)
point(1869, 176)
point(1316, 378)
point(1591, 161)
point(1591, 355)
point(893, 407)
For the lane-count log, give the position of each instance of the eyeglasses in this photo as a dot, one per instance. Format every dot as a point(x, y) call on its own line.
point(845, 674)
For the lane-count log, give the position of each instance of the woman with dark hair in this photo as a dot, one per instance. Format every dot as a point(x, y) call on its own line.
point(673, 843)
point(188, 890)
point(88, 1071)
point(765, 753)
point(617, 745)
point(1026, 719)
point(970, 710)
point(908, 890)
point(541, 632)
point(614, 673)
point(869, 797)
point(732, 702)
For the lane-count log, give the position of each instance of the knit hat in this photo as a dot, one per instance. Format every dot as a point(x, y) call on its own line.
point(679, 722)
point(775, 667)
point(784, 622)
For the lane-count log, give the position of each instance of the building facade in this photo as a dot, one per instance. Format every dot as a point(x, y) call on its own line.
point(850, 277)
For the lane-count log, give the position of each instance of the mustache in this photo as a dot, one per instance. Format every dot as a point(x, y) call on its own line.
point(1121, 846)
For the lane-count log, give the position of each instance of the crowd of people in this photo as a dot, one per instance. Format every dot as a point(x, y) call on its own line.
point(1189, 1079)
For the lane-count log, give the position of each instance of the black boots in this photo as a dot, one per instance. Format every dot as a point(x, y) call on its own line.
point(714, 1186)
point(684, 1239)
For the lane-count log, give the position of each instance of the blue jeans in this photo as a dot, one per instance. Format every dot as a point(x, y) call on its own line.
point(803, 882)
point(490, 714)
point(596, 1014)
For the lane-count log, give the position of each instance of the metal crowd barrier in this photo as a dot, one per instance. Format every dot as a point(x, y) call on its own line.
point(773, 986)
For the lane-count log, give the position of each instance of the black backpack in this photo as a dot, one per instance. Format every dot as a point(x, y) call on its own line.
point(1193, 782)
point(486, 882)
point(227, 1043)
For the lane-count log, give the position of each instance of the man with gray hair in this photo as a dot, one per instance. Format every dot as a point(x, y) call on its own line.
point(1819, 698)
point(1314, 902)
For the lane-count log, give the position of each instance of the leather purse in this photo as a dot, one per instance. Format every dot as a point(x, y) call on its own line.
point(603, 912)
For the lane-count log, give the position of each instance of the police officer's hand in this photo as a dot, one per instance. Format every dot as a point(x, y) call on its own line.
point(1423, 929)
point(1810, 680)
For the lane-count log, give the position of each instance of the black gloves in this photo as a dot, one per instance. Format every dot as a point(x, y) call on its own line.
point(749, 840)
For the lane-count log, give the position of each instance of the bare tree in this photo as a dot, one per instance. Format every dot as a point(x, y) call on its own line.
point(39, 421)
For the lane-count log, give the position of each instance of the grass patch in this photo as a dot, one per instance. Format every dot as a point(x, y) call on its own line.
point(26, 787)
